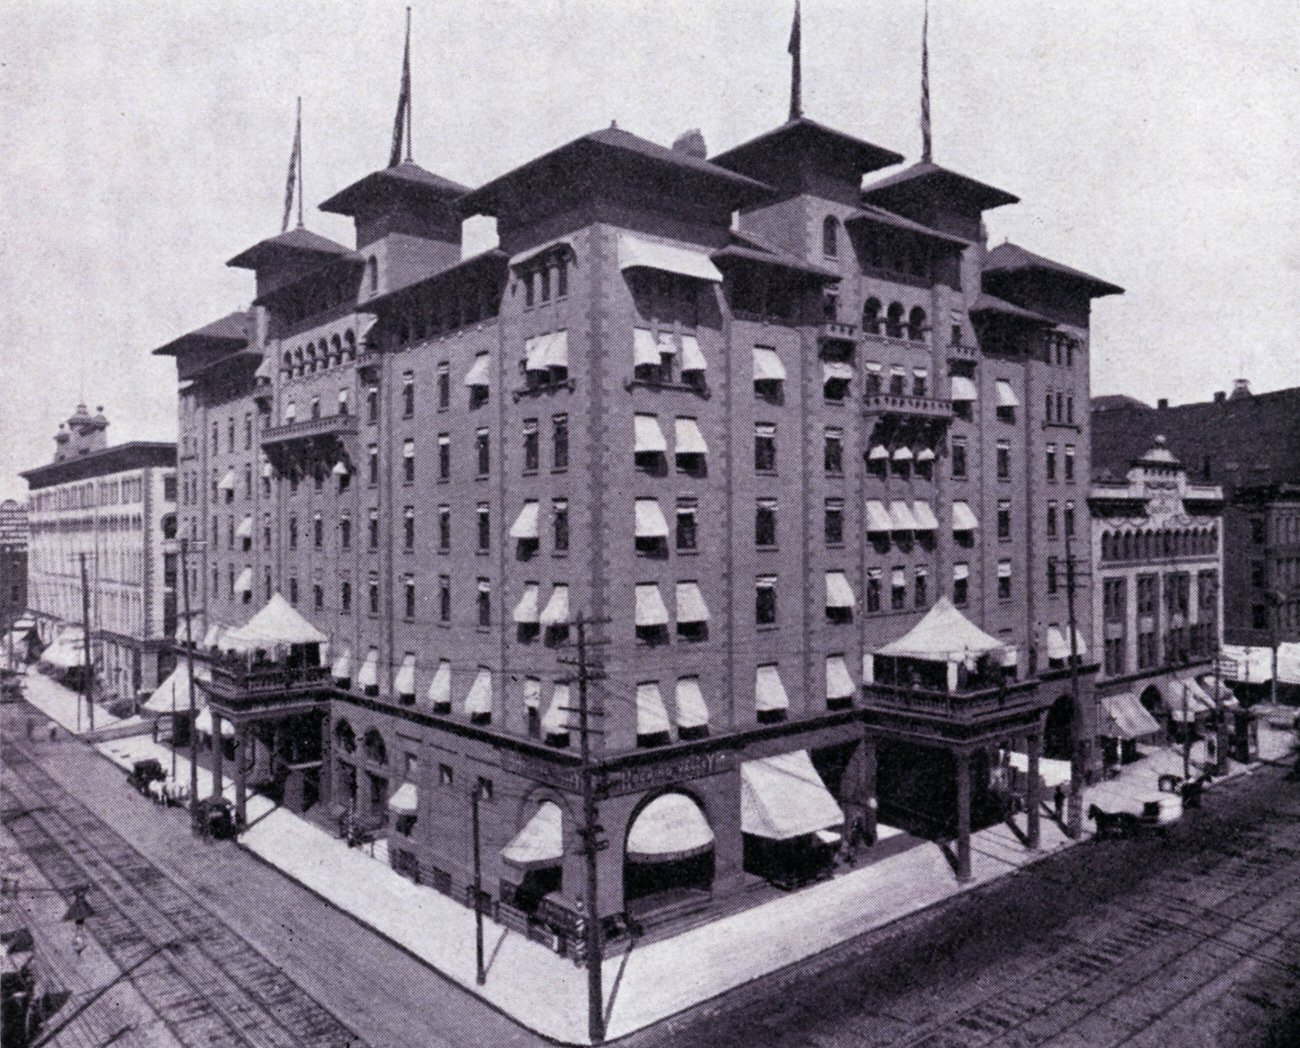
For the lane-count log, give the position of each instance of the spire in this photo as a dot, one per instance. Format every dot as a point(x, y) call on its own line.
point(925, 86)
point(402, 121)
point(293, 181)
point(796, 72)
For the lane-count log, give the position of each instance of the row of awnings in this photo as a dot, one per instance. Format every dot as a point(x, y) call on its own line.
point(649, 438)
point(900, 516)
point(555, 613)
point(477, 700)
point(649, 349)
point(963, 391)
point(902, 453)
point(652, 612)
point(1058, 644)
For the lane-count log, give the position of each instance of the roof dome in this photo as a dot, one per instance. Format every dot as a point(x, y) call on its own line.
point(1158, 454)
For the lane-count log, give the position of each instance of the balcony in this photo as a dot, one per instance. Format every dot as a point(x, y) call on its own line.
point(831, 331)
point(237, 685)
point(935, 714)
point(324, 427)
point(962, 352)
point(368, 361)
point(903, 405)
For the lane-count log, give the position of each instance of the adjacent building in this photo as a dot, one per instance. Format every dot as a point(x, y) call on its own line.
point(13, 563)
point(111, 509)
point(1249, 444)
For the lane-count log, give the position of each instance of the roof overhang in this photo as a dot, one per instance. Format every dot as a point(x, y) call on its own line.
point(804, 134)
point(925, 179)
point(991, 304)
point(494, 260)
point(1012, 260)
point(871, 215)
point(230, 332)
point(296, 242)
point(408, 180)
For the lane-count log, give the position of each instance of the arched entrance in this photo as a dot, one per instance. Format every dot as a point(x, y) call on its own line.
point(668, 857)
point(1058, 736)
point(1150, 699)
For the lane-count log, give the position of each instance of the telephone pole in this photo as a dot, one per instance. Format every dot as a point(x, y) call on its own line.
point(1077, 723)
point(189, 672)
point(89, 685)
point(480, 971)
point(590, 847)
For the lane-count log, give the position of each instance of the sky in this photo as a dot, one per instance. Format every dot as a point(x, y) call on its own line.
point(144, 144)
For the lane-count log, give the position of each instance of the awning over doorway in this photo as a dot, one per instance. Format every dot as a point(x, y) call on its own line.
point(1125, 717)
point(669, 828)
point(784, 796)
point(1185, 700)
point(174, 692)
point(203, 724)
point(406, 801)
point(540, 843)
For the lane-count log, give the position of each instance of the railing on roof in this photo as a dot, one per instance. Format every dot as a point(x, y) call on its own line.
point(966, 707)
point(233, 678)
point(904, 404)
point(335, 425)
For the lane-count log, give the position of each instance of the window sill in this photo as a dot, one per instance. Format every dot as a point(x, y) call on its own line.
point(681, 387)
point(568, 385)
point(688, 552)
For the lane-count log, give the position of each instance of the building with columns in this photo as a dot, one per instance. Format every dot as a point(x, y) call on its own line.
point(114, 506)
point(799, 460)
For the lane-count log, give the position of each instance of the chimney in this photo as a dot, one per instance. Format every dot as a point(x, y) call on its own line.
point(1220, 396)
point(1240, 388)
point(1162, 403)
point(692, 144)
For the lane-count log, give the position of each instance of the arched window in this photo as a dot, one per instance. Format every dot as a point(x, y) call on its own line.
point(349, 345)
point(288, 363)
point(372, 274)
point(894, 320)
point(298, 361)
point(916, 324)
point(830, 237)
point(322, 355)
point(345, 737)
point(871, 316)
point(376, 751)
point(336, 350)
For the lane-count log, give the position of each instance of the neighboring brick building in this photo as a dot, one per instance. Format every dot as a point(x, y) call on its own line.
point(1156, 608)
point(116, 505)
point(13, 570)
point(763, 460)
point(1249, 444)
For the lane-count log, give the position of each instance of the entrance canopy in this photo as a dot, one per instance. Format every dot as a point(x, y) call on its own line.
point(784, 796)
point(203, 724)
point(669, 828)
point(276, 625)
point(174, 692)
point(1185, 700)
point(540, 843)
point(65, 653)
point(1126, 718)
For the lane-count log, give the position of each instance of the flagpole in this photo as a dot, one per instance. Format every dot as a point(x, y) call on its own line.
point(796, 66)
point(925, 86)
point(299, 141)
point(408, 85)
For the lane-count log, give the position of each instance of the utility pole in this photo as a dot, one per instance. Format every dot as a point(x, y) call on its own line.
point(1077, 725)
point(189, 668)
point(1220, 712)
point(1187, 738)
point(480, 973)
point(89, 685)
point(173, 782)
point(590, 847)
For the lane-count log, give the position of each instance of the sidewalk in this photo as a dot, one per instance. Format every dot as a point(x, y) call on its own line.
point(547, 993)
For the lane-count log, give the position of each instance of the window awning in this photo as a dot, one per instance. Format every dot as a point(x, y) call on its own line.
point(532, 693)
point(557, 349)
point(636, 252)
point(650, 520)
point(900, 517)
point(961, 571)
point(342, 669)
point(526, 612)
point(535, 352)
point(404, 678)
point(650, 608)
point(478, 371)
point(878, 522)
point(651, 714)
point(690, 604)
point(784, 796)
point(649, 437)
point(689, 440)
point(1004, 569)
point(963, 518)
point(556, 720)
point(228, 481)
point(963, 389)
point(1006, 395)
point(692, 711)
point(341, 468)
point(769, 692)
point(925, 455)
point(669, 828)
point(556, 612)
point(924, 516)
point(1126, 718)
point(406, 801)
point(902, 453)
point(525, 527)
point(244, 584)
point(767, 365)
point(692, 355)
point(245, 530)
point(203, 724)
point(839, 594)
point(836, 371)
point(839, 684)
point(540, 844)
point(645, 350)
point(369, 675)
point(478, 700)
point(174, 692)
point(440, 686)
point(1058, 646)
point(878, 453)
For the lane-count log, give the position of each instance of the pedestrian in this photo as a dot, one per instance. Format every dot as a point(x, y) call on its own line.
point(1058, 801)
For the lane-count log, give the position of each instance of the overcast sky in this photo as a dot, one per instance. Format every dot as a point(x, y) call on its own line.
point(143, 145)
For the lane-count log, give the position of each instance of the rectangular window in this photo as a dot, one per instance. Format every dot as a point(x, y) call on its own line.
point(408, 595)
point(1069, 461)
point(408, 528)
point(373, 529)
point(686, 525)
point(408, 461)
point(484, 527)
point(765, 600)
point(372, 590)
point(833, 452)
point(372, 404)
point(343, 402)
point(765, 523)
point(531, 446)
point(764, 447)
point(408, 394)
point(898, 589)
point(1004, 518)
point(560, 522)
point(482, 450)
point(444, 385)
point(920, 382)
point(920, 587)
point(444, 528)
point(1051, 519)
point(444, 456)
point(1051, 574)
point(959, 457)
point(560, 442)
point(248, 431)
point(293, 591)
point(372, 458)
point(317, 596)
point(873, 589)
point(318, 531)
point(293, 532)
point(1051, 461)
point(1069, 517)
point(834, 528)
point(484, 603)
point(444, 598)
point(1004, 580)
point(1004, 459)
point(960, 584)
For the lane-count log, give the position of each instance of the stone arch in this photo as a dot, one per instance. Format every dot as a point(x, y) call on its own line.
point(344, 736)
point(376, 749)
point(916, 324)
point(669, 874)
point(894, 320)
point(871, 316)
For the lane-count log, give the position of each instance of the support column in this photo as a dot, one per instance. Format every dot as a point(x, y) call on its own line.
point(870, 807)
point(243, 739)
point(1033, 802)
point(217, 755)
point(962, 759)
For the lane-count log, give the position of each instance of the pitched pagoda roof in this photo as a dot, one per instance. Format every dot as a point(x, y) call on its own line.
point(943, 635)
point(749, 248)
point(929, 178)
point(986, 303)
point(1012, 258)
point(406, 179)
point(277, 623)
point(295, 242)
point(879, 216)
point(230, 332)
point(614, 142)
point(491, 259)
point(801, 133)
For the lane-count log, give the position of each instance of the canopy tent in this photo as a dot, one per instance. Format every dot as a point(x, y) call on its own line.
point(783, 797)
point(669, 828)
point(943, 634)
point(277, 624)
point(540, 843)
point(1125, 717)
point(174, 692)
point(406, 801)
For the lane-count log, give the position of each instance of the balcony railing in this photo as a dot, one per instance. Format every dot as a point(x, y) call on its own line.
point(962, 707)
point(236, 680)
point(833, 331)
point(901, 339)
point(962, 352)
point(903, 404)
point(310, 428)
